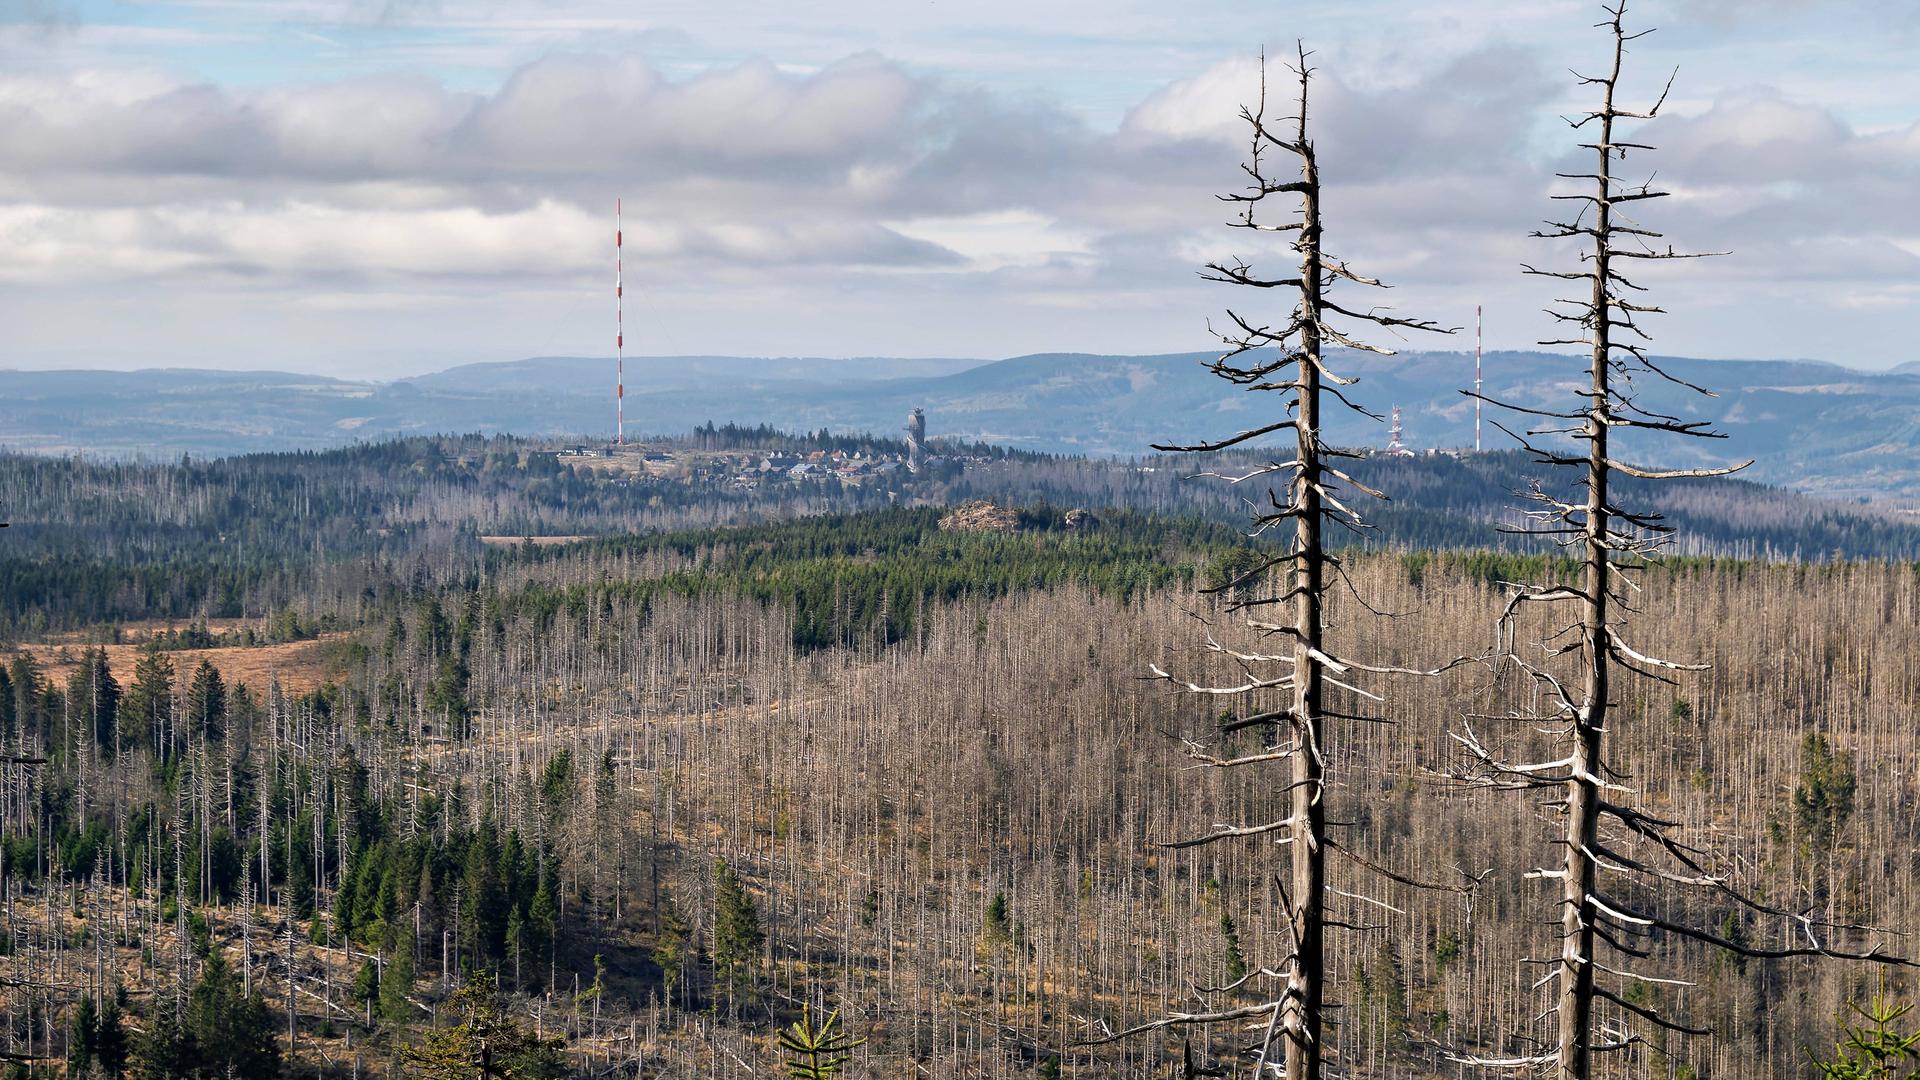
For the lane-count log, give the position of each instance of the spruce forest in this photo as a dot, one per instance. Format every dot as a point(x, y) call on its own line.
point(477, 756)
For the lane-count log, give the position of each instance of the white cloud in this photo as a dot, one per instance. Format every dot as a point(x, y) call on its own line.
point(997, 239)
point(1208, 104)
point(303, 241)
point(798, 185)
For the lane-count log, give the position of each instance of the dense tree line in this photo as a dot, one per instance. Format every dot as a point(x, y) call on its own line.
point(103, 542)
point(850, 578)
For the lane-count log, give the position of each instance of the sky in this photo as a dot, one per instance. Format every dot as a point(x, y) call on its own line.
point(379, 188)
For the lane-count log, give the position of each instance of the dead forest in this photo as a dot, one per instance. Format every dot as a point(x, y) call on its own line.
point(958, 839)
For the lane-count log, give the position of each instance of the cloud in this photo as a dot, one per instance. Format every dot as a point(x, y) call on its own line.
point(877, 197)
point(399, 175)
point(1755, 136)
point(562, 116)
point(1793, 192)
point(50, 244)
point(43, 15)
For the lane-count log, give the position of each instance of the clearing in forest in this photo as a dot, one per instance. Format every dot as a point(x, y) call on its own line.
point(300, 665)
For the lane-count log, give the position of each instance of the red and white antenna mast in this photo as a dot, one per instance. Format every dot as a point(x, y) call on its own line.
point(619, 339)
point(1476, 378)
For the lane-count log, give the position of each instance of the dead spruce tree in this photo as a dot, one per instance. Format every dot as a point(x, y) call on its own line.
point(1287, 690)
point(1616, 858)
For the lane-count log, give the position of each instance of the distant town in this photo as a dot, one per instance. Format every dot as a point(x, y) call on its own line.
point(744, 469)
point(743, 459)
point(750, 459)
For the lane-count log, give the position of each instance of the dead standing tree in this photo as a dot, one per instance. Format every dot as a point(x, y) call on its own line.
point(1601, 834)
point(1289, 358)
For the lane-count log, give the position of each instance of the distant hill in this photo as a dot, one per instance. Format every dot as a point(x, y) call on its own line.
point(94, 541)
point(1813, 426)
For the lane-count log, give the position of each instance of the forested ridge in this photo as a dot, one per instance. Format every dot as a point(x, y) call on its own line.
point(850, 577)
point(96, 542)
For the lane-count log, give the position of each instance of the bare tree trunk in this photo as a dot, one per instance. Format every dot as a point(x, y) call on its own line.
point(1589, 722)
point(1306, 987)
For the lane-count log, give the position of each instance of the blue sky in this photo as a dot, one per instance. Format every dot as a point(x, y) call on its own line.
point(372, 188)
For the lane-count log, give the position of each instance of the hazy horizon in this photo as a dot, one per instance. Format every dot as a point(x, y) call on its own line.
point(636, 363)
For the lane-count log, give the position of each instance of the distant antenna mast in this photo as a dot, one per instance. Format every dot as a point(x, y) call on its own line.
point(619, 339)
point(1394, 432)
point(1476, 378)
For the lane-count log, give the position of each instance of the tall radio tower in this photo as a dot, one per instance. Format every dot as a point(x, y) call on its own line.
point(619, 339)
point(1476, 378)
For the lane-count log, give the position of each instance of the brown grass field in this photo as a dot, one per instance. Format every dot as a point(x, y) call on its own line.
point(537, 541)
point(300, 665)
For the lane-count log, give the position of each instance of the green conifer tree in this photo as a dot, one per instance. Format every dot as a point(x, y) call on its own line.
point(95, 698)
point(83, 1037)
point(486, 1044)
point(144, 710)
point(7, 702)
point(233, 1032)
point(397, 982)
point(28, 693)
point(543, 916)
point(111, 1048)
point(207, 702)
point(736, 931)
point(165, 1050)
point(483, 908)
point(1236, 960)
point(1823, 801)
point(220, 1031)
point(816, 1053)
point(366, 982)
point(1877, 1050)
